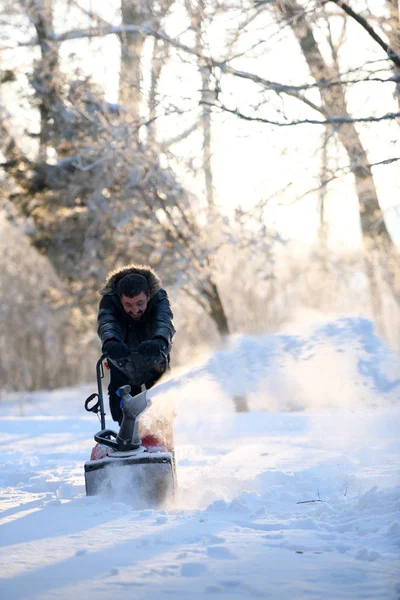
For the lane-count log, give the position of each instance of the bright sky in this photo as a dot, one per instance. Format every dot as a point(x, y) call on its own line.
point(253, 162)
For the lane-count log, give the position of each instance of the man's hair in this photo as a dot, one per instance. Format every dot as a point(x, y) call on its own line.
point(131, 285)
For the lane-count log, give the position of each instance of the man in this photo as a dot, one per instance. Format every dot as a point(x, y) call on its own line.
point(136, 329)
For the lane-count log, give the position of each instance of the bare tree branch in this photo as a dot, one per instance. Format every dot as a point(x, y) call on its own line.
point(146, 30)
point(91, 32)
point(343, 171)
point(392, 55)
point(281, 87)
point(178, 138)
point(89, 13)
point(331, 120)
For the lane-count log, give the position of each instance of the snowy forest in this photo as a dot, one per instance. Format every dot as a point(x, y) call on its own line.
point(249, 151)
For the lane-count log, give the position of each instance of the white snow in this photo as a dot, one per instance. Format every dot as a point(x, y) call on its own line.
point(297, 499)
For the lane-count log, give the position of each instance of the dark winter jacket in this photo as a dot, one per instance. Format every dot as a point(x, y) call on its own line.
point(114, 322)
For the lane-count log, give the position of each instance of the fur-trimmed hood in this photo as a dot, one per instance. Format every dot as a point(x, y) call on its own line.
point(153, 280)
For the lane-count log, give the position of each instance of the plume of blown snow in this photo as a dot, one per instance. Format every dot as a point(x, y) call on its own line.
point(336, 364)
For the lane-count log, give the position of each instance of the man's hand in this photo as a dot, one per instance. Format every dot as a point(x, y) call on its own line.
point(115, 349)
point(153, 348)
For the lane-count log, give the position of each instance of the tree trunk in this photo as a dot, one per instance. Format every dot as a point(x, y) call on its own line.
point(214, 301)
point(44, 78)
point(159, 59)
point(334, 103)
point(393, 33)
point(323, 233)
point(206, 123)
point(134, 12)
point(197, 16)
point(217, 311)
point(216, 308)
point(373, 227)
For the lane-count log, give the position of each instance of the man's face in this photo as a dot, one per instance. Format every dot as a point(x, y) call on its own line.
point(135, 306)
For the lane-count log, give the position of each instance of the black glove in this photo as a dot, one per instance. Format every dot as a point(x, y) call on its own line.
point(115, 349)
point(153, 347)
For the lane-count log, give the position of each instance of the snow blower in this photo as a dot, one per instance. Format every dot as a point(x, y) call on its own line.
point(131, 464)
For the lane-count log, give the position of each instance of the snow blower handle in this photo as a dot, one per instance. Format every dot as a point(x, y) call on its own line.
point(103, 437)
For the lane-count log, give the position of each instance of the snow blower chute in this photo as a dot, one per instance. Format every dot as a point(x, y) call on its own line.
point(133, 463)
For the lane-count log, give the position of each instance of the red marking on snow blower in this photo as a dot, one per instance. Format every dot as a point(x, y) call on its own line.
point(151, 442)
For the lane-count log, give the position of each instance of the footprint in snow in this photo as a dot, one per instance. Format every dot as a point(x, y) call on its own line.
point(193, 569)
point(220, 553)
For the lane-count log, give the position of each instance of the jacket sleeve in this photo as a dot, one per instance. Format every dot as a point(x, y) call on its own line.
point(108, 324)
point(162, 316)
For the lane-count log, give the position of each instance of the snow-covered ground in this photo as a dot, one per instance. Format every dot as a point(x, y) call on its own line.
point(297, 499)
